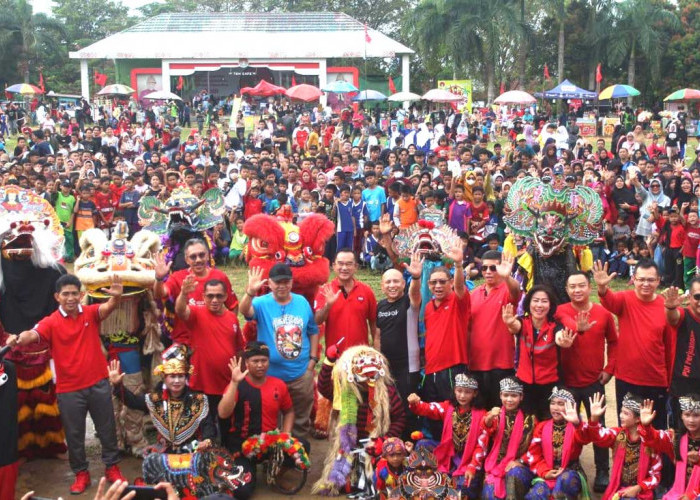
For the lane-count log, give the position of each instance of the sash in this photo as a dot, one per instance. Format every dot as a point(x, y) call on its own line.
point(496, 471)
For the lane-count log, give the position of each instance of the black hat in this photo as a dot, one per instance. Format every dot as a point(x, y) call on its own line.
point(280, 272)
point(256, 348)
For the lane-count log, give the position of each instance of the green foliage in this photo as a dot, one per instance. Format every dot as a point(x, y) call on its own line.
point(682, 61)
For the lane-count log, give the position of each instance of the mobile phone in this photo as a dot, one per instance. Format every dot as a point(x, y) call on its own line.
point(145, 492)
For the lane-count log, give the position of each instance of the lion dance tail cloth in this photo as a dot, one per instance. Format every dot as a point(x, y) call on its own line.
point(32, 245)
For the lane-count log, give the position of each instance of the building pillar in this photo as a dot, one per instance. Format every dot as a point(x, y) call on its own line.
point(84, 79)
point(322, 73)
point(405, 73)
point(165, 75)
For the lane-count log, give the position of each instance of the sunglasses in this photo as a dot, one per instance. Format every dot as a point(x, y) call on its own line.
point(696, 296)
point(491, 268)
point(194, 256)
point(438, 282)
point(212, 296)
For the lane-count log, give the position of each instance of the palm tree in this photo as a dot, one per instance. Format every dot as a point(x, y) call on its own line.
point(639, 28)
point(23, 35)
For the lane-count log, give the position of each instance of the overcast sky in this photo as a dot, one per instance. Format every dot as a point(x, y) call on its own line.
point(45, 5)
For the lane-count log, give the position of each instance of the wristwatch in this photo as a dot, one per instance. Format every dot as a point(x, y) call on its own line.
point(314, 359)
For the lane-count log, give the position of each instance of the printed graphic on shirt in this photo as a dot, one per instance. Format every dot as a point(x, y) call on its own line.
point(288, 335)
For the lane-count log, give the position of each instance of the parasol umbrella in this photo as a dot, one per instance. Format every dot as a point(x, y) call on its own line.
point(440, 95)
point(340, 87)
point(369, 95)
point(618, 92)
point(116, 89)
point(515, 97)
point(263, 89)
point(162, 95)
point(404, 96)
point(24, 89)
point(304, 92)
point(684, 95)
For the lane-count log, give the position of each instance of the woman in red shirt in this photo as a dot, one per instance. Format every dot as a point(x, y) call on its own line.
point(539, 337)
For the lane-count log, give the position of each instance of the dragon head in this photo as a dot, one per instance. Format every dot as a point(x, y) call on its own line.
point(182, 211)
point(224, 473)
point(133, 261)
point(551, 228)
point(363, 364)
point(29, 227)
point(424, 237)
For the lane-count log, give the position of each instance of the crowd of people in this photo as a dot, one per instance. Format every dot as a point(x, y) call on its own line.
point(500, 391)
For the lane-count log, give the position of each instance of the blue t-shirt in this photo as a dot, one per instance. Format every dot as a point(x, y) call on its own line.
point(286, 331)
point(345, 224)
point(374, 198)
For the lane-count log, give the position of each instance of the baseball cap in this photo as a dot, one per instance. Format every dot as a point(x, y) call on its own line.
point(280, 272)
point(520, 137)
point(558, 170)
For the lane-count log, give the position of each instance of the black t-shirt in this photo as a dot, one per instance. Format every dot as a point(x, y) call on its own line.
point(686, 368)
point(8, 417)
point(282, 145)
point(398, 327)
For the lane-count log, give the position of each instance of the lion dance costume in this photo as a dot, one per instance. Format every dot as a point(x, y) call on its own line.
point(32, 246)
point(133, 327)
point(365, 405)
point(560, 223)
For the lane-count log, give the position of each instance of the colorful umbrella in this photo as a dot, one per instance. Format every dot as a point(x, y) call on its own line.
point(404, 96)
point(340, 87)
point(304, 92)
point(263, 89)
point(618, 91)
point(369, 95)
point(24, 89)
point(440, 95)
point(116, 89)
point(515, 97)
point(684, 95)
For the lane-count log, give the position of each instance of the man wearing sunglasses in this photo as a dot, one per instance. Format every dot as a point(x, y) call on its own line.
point(685, 378)
point(169, 285)
point(490, 344)
point(446, 324)
point(215, 337)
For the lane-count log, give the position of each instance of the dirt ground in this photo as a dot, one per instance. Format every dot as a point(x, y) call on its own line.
point(52, 478)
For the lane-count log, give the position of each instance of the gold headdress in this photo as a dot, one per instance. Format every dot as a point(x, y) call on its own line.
point(176, 360)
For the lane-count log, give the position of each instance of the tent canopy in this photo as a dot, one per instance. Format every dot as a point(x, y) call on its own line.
point(567, 90)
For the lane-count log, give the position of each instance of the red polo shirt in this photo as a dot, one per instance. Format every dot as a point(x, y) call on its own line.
point(75, 347)
point(350, 314)
point(180, 332)
point(214, 340)
point(446, 332)
point(490, 345)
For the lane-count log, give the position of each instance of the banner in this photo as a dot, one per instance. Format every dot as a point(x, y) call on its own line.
point(587, 127)
point(459, 87)
point(609, 125)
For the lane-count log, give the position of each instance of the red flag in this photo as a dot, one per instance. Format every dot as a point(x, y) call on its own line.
point(368, 39)
point(502, 89)
point(41, 82)
point(392, 87)
point(180, 83)
point(546, 72)
point(598, 74)
point(294, 81)
point(100, 79)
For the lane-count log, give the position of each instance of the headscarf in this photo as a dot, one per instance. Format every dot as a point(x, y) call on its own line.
point(623, 194)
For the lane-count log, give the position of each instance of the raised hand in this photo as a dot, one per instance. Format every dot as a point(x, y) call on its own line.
point(597, 405)
point(583, 323)
point(647, 413)
point(455, 253)
point(329, 295)
point(600, 274)
point(413, 399)
point(114, 372)
point(386, 225)
point(162, 268)
point(189, 285)
point(570, 413)
point(505, 267)
point(416, 265)
point(237, 372)
point(565, 338)
point(672, 299)
point(508, 314)
point(255, 280)
point(116, 288)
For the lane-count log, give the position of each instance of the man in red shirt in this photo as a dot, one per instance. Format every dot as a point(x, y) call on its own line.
point(490, 345)
point(215, 337)
point(446, 324)
point(169, 285)
point(585, 372)
point(73, 334)
point(253, 402)
point(346, 305)
point(645, 338)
